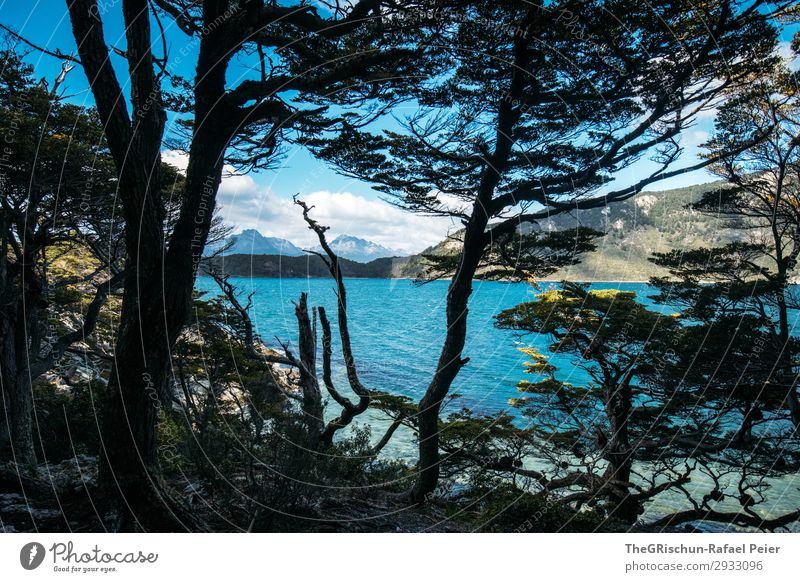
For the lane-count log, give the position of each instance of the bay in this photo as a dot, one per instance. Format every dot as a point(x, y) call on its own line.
point(398, 326)
point(397, 330)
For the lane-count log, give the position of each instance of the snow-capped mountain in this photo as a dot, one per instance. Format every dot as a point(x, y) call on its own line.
point(358, 249)
point(252, 242)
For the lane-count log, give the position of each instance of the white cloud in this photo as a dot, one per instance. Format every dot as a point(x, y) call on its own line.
point(694, 138)
point(243, 203)
point(175, 158)
point(787, 54)
point(344, 212)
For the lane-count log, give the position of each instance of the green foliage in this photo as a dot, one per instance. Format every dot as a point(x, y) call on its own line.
point(394, 404)
point(512, 80)
point(57, 146)
point(590, 323)
point(505, 127)
point(739, 354)
point(68, 419)
point(535, 255)
point(618, 418)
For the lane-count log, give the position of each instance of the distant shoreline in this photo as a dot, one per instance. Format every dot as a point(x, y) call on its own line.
point(407, 268)
point(593, 281)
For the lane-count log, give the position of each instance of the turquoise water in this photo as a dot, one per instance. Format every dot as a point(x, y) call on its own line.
point(397, 330)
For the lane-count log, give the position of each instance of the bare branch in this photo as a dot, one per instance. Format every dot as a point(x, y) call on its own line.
point(53, 53)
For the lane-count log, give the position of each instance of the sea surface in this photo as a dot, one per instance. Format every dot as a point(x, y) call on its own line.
point(397, 329)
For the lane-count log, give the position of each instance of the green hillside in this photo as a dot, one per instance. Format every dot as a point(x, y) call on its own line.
point(635, 229)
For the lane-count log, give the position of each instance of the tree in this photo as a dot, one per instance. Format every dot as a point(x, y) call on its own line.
point(320, 433)
point(226, 389)
point(618, 343)
point(752, 278)
point(540, 112)
point(296, 50)
point(56, 186)
point(738, 354)
point(661, 404)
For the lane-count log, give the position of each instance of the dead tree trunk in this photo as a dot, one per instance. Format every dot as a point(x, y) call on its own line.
point(350, 409)
point(309, 385)
point(322, 434)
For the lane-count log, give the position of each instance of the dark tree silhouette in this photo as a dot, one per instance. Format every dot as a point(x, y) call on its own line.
point(539, 115)
point(56, 193)
point(761, 199)
point(339, 53)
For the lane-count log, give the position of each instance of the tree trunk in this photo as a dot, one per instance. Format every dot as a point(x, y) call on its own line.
point(458, 294)
point(17, 399)
point(618, 451)
point(450, 360)
point(128, 472)
point(137, 384)
point(309, 385)
point(21, 425)
point(159, 281)
point(787, 377)
point(19, 335)
point(4, 437)
point(156, 305)
point(8, 378)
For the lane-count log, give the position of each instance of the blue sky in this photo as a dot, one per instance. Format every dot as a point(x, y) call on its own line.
point(263, 201)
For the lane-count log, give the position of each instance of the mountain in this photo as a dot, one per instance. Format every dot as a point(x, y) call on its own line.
point(360, 250)
point(648, 223)
point(252, 242)
point(635, 229)
point(651, 222)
